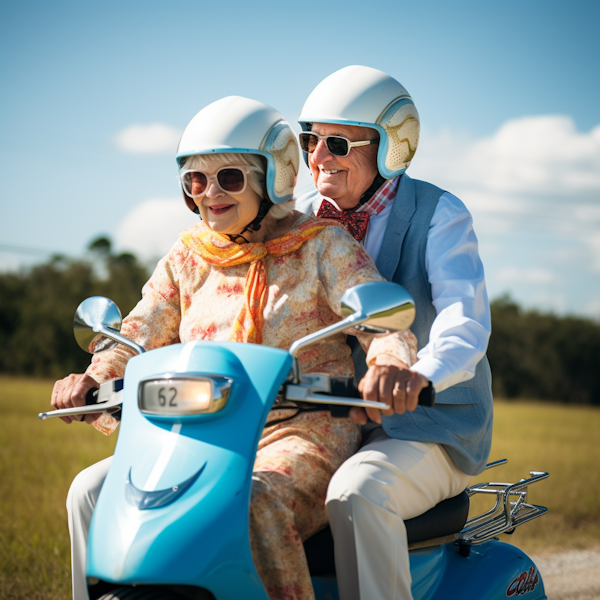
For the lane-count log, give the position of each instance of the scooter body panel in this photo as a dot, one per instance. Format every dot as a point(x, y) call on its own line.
point(492, 571)
point(188, 537)
point(325, 587)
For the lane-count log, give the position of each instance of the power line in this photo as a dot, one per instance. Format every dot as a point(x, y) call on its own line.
point(29, 250)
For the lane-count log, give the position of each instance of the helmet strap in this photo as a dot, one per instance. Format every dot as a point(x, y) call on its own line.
point(235, 237)
point(254, 225)
point(263, 209)
point(377, 183)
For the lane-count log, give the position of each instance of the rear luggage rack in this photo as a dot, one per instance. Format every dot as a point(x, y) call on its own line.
point(510, 510)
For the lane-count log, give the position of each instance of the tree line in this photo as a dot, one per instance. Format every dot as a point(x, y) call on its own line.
point(532, 354)
point(37, 308)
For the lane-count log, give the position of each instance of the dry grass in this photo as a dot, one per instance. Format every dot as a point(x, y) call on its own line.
point(38, 461)
point(562, 440)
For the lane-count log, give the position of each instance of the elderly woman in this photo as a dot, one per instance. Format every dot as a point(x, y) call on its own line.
point(253, 270)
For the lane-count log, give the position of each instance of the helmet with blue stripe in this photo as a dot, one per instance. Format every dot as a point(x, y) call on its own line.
point(367, 97)
point(240, 125)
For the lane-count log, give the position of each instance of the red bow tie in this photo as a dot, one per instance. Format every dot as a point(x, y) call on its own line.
point(355, 222)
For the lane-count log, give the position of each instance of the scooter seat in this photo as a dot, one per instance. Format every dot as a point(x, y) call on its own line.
point(446, 518)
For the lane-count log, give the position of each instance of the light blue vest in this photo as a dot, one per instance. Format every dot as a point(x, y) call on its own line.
point(461, 420)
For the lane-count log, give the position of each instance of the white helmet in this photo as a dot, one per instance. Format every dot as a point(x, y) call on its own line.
point(368, 98)
point(241, 125)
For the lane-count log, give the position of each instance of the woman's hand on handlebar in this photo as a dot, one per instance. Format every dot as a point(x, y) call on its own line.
point(70, 392)
point(389, 381)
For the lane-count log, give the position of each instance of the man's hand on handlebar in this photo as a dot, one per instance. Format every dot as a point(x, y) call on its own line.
point(392, 382)
point(70, 392)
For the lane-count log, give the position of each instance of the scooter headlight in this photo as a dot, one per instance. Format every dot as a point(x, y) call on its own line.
point(182, 394)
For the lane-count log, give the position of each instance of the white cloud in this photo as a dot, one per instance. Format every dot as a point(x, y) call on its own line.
point(535, 276)
point(152, 227)
point(550, 301)
point(540, 154)
point(534, 177)
point(9, 262)
point(592, 308)
point(154, 138)
point(593, 242)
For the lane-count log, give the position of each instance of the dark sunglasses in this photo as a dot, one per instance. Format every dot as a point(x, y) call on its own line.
point(336, 144)
point(231, 180)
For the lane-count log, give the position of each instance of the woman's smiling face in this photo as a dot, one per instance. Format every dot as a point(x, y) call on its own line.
point(227, 213)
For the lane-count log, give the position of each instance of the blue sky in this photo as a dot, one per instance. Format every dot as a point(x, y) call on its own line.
point(94, 96)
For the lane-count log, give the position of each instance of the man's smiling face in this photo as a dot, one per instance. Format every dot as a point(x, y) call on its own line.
point(344, 178)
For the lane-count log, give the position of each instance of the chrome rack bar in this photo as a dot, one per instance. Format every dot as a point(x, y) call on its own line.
point(510, 510)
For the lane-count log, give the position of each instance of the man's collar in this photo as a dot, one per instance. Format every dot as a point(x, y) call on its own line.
point(311, 201)
point(383, 197)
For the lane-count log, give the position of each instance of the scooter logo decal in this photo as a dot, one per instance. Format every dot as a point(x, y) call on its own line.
point(524, 583)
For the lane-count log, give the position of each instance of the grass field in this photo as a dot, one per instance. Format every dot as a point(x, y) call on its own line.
point(560, 439)
point(38, 460)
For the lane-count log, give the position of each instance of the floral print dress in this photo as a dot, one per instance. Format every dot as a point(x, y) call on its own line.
point(209, 288)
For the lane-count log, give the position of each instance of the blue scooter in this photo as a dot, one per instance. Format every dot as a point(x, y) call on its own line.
point(171, 521)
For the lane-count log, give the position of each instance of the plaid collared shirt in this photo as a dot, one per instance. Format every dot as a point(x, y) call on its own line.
point(382, 197)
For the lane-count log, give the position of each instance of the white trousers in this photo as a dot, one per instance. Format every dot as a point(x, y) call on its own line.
point(81, 500)
point(370, 496)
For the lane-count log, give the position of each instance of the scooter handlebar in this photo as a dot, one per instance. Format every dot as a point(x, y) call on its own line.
point(106, 399)
point(341, 395)
point(346, 387)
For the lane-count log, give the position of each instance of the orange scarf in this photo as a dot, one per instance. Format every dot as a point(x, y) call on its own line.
point(217, 249)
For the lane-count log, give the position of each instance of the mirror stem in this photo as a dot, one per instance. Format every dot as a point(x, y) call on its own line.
point(355, 319)
point(121, 339)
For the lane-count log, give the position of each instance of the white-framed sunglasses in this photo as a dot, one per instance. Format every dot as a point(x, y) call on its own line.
point(231, 180)
point(336, 144)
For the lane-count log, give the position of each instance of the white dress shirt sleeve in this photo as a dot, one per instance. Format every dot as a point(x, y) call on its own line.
point(460, 332)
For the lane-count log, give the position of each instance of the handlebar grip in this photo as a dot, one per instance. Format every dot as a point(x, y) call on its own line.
point(92, 396)
point(427, 396)
point(345, 386)
point(339, 412)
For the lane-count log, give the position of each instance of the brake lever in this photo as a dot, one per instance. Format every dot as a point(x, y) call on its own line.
point(106, 399)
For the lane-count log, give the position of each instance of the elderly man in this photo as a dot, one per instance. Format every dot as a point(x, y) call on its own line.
point(360, 133)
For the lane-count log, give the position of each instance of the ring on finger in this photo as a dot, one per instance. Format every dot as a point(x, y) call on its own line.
point(399, 386)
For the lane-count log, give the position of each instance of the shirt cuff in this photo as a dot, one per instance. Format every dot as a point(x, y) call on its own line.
point(434, 370)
